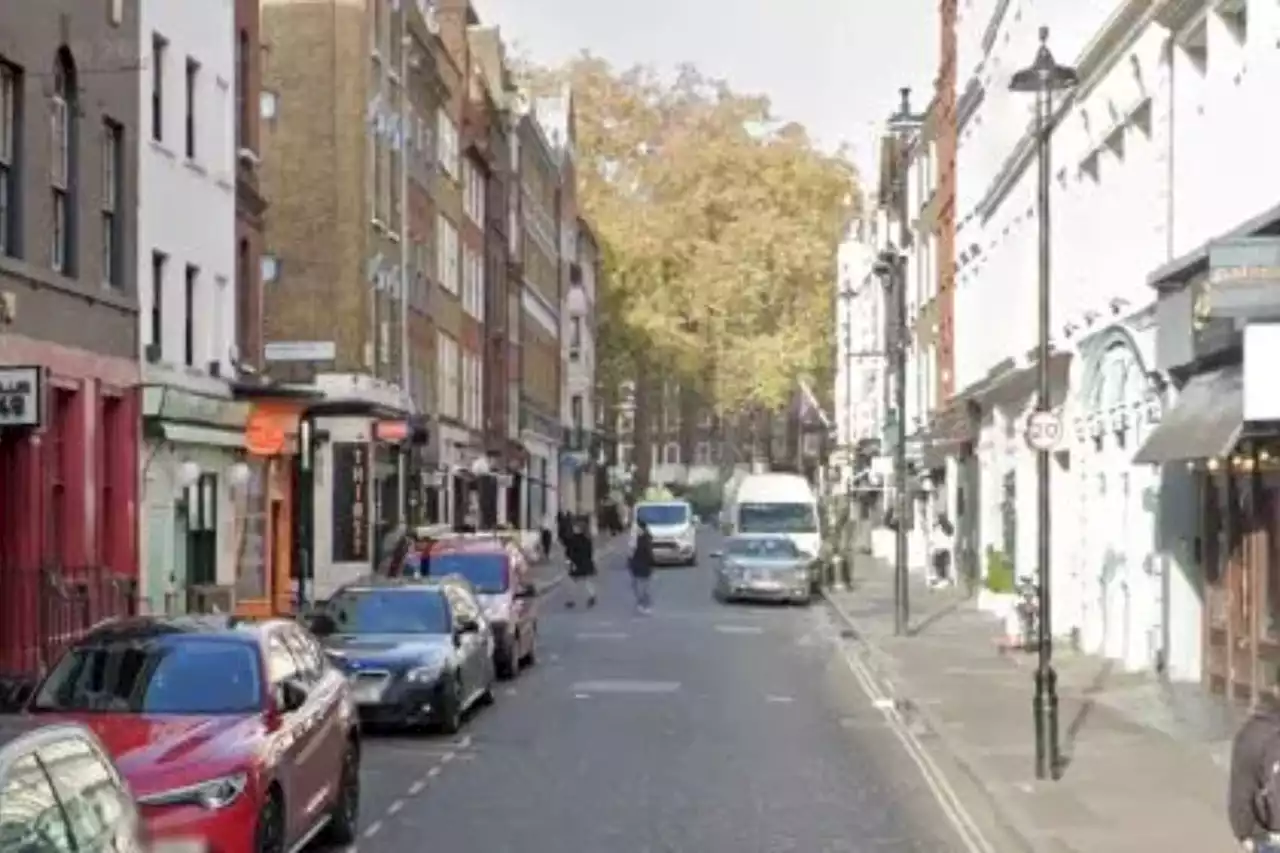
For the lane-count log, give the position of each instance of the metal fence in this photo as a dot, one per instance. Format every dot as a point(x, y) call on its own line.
point(45, 610)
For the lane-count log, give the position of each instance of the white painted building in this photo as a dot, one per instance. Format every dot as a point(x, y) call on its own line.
point(578, 340)
point(1132, 188)
point(861, 363)
point(186, 269)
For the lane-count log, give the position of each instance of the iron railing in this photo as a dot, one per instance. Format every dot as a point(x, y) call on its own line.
point(44, 611)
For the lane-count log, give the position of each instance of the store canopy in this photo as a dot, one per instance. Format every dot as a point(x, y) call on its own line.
point(1205, 422)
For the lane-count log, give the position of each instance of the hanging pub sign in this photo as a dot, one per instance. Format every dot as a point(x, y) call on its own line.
point(351, 501)
point(20, 396)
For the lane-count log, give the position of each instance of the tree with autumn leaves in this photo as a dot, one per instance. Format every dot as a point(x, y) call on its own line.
point(719, 227)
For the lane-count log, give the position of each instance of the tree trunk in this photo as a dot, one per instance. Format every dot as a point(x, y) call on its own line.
point(644, 412)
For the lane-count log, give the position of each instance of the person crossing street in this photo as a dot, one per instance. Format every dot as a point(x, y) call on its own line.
point(580, 553)
point(640, 565)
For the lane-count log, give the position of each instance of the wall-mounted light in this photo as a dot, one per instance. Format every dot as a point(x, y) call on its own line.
point(188, 473)
point(238, 475)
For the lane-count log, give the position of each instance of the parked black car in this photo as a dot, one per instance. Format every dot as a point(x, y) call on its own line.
point(418, 651)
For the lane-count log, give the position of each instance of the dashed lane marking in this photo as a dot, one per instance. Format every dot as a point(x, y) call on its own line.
point(373, 829)
point(395, 806)
point(601, 635)
point(417, 788)
point(624, 686)
point(433, 772)
point(779, 700)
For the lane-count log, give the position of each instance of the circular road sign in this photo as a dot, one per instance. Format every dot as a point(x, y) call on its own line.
point(1044, 430)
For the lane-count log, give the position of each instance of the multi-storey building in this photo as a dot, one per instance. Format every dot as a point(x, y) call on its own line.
point(343, 143)
point(861, 357)
point(69, 141)
point(582, 444)
point(187, 255)
point(251, 207)
point(458, 313)
point(540, 299)
point(492, 92)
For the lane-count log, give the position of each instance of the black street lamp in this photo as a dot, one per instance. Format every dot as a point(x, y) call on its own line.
point(893, 268)
point(1043, 78)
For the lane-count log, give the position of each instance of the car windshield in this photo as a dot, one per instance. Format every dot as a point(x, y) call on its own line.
point(769, 548)
point(390, 611)
point(175, 674)
point(662, 515)
point(488, 573)
point(777, 518)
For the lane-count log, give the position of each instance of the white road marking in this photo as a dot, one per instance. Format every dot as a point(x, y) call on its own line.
point(581, 696)
point(464, 742)
point(601, 635)
point(739, 629)
point(433, 772)
point(447, 757)
point(780, 700)
point(417, 788)
point(948, 800)
point(509, 691)
point(373, 829)
point(625, 686)
point(395, 807)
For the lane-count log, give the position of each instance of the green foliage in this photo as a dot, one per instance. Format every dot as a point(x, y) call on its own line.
point(720, 228)
point(1001, 577)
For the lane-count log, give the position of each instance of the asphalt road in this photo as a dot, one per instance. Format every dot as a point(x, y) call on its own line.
point(698, 729)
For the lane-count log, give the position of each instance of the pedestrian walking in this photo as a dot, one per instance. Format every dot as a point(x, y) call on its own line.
point(545, 539)
point(641, 567)
point(1253, 795)
point(580, 553)
point(944, 538)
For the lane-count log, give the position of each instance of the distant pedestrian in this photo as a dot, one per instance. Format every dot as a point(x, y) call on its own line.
point(943, 539)
point(545, 538)
point(641, 567)
point(1253, 795)
point(580, 553)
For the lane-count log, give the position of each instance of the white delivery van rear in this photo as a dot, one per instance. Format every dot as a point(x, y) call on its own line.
point(780, 504)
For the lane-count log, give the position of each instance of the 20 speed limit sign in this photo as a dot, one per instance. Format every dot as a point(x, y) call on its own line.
point(1044, 430)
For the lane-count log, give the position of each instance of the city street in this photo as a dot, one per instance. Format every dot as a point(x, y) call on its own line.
point(699, 729)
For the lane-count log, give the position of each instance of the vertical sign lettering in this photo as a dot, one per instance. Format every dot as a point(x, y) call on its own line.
point(351, 478)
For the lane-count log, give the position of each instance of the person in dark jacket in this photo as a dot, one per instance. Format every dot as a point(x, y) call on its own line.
point(641, 567)
point(1253, 794)
point(582, 563)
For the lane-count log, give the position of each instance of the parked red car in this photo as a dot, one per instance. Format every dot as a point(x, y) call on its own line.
point(239, 733)
point(500, 575)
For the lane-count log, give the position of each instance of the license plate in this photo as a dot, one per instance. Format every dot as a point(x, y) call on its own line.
point(367, 693)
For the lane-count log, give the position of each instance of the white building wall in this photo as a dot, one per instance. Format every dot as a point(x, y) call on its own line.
point(187, 204)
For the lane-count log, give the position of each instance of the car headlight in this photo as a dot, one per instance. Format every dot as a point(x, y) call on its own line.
point(425, 674)
point(213, 794)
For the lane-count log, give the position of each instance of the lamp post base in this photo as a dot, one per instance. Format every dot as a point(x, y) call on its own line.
point(1044, 708)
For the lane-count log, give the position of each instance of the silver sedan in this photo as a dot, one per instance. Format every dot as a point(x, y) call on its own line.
point(762, 568)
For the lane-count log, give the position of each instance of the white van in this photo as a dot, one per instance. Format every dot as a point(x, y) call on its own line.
point(780, 504)
point(673, 527)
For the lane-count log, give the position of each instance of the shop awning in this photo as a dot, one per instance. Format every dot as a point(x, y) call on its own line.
point(1205, 422)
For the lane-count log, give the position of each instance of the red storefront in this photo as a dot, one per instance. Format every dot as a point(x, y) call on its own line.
point(69, 475)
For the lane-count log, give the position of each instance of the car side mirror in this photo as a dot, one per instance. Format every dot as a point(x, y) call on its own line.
point(292, 696)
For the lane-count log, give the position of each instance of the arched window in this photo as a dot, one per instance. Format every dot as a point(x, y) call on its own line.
point(64, 108)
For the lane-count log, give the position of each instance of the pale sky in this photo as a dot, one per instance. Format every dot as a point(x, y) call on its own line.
point(833, 65)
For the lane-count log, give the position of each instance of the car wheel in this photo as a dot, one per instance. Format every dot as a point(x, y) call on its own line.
point(269, 837)
point(451, 719)
point(507, 665)
point(344, 820)
point(531, 656)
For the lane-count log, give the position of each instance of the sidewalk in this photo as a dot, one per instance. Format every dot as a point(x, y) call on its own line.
point(1146, 762)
